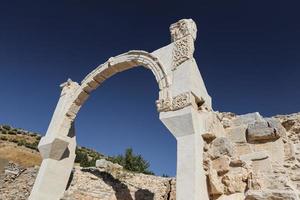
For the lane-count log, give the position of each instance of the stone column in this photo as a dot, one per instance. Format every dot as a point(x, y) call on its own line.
point(185, 126)
point(57, 148)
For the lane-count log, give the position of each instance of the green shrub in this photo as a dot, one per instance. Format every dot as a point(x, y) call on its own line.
point(6, 127)
point(19, 132)
point(132, 162)
point(38, 137)
point(82, 158)
point(86, 157)
point(32, 134)
point(4, 132)
point(33, 146)
point(21, 142)
point(12, 132)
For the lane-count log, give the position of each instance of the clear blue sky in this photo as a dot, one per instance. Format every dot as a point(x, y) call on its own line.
point(248, 53)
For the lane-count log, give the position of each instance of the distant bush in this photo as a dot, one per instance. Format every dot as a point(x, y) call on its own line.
point(132, 162)
point(86, 157)
point(19, 132)
point(14, 140)
point(38, 137)
point(82, 158)
point(21, 142)
point(33, 146)
point(4, 132)
point(3, 138)
point(6, 127)
point(11, 132)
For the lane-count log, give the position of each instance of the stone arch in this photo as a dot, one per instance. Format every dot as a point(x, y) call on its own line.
point(111, 67)
point(183, 104)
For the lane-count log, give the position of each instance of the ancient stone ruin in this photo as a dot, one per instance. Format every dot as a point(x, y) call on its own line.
point(183, 104)
point(220, 156)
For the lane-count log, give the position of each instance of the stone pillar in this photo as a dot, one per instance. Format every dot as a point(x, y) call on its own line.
point(57, 148)
point(185, 126)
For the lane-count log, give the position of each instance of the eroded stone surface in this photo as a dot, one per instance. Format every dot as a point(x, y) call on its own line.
point(265, 165)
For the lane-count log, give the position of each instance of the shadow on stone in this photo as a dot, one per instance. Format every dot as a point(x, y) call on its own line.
point(70, 179)
point(66, 154)
point(121, 190)
point(144, 195)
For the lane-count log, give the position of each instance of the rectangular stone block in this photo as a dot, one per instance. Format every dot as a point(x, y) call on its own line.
point(246, 119)
point(237, 134)
point(261, 132)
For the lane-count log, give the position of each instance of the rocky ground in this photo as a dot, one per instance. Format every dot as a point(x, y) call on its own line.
point(252, 158)
point(93, 183)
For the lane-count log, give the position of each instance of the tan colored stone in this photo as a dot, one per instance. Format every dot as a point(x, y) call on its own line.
point(221, 165)
point(237, 134)
point(215, 185)
point(237, 196)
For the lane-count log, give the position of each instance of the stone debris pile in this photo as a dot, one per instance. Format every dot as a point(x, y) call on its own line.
point(256, 159)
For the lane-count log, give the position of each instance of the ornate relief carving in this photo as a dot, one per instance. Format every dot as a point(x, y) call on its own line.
point(183, 34)
point(183, 50)
point(176, 103)
point(164, 105)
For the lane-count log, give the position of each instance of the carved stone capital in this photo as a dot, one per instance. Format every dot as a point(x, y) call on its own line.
point(183, 28)
point(176, 103)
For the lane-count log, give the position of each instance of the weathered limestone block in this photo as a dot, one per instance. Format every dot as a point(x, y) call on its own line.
point(212, 126)
point(221, 165)
point(243, 148)
point(237, 196)
point(271, 195)
point(215, 185)
point(275, 149)
point(289, 151)
point(107, 165)
point(237, 134)
point(235, 181)
point(254, 156)
point(246, 119)
point(220, 147)
point(275, 123)
point(260, 131)
point(263, 166)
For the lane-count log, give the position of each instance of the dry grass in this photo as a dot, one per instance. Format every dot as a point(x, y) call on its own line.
point(20, 155)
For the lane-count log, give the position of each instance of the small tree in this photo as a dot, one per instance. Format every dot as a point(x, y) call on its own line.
point(132, 162)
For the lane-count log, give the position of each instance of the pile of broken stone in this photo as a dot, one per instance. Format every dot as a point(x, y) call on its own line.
point(255, 158)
